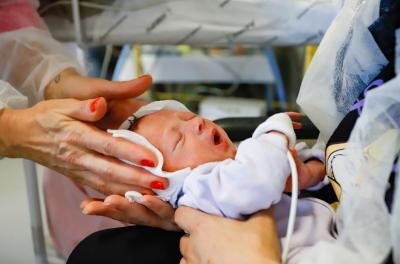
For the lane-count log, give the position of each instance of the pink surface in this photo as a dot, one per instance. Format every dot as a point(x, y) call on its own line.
point(19, 14)
point(67, 225)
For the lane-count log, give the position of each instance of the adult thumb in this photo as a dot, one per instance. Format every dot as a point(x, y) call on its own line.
point(88, 110)
point(111, 90)
point(126, 89)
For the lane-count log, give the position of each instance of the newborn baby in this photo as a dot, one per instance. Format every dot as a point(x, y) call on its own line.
point(205, 169)
point(207, 172)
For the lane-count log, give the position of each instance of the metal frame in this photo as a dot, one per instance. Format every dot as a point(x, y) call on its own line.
point(32, 187)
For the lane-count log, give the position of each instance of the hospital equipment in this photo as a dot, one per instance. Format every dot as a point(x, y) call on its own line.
point(214, 107)
point(202, 23)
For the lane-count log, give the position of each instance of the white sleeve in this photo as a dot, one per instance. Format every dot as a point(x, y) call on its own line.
point(235, 188)
point(306, 153)
point(30, 57)
point(10, 97)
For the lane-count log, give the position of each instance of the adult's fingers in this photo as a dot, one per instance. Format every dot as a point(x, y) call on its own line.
point(162, 209)
point(106, 144)
point(189, 219)
point(101, 209)
point(126, 211)
point(79, 87)
point(159, 207)
point(118, 202)
point(94, 207)
point(88, 110)
point(103, 182)
point(122, 90)
point(89, 200)
point(162, 214)
point(183, 245)
point(111, 170)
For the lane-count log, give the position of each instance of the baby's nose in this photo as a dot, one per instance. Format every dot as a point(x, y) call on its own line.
point(198, 125)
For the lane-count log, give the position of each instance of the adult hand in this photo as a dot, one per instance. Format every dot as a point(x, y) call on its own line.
point(309, 173)
point(70, 84)
point(150, 212)
point(215, 239)
point(53, 133)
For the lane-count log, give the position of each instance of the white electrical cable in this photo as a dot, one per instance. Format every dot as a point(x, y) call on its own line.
point(293, 207)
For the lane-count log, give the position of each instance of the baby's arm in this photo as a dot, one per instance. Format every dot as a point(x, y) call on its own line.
point(253, 181)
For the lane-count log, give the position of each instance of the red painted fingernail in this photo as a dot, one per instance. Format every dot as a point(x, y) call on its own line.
point(93, 105)
point(157, 185)
point(147, 163)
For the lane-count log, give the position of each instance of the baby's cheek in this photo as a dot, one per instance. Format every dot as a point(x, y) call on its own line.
point(177, 162)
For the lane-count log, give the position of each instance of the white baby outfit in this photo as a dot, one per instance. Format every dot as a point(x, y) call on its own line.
point(238, 187)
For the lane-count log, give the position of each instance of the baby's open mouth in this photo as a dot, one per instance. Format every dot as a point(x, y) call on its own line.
point(216, 136)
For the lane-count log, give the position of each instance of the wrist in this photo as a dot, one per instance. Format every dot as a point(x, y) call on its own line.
point(7, 118)
point(275, 132)
point(55, 89)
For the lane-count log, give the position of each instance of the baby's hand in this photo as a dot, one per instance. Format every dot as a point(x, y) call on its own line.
point(281, 123)
point(150, 212)
point(294, 115)
point(309, 173)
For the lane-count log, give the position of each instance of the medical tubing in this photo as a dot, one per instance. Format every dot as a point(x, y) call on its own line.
point(293, 206)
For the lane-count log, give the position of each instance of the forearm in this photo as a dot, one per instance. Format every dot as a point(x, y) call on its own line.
point(269, 250)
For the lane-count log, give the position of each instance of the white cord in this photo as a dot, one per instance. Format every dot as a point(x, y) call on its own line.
point(293, 207)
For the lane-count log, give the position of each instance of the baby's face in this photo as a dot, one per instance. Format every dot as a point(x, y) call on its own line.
point(185, 139)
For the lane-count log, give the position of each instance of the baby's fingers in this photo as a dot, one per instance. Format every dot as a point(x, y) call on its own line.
point(293, 114)
point(297, 125)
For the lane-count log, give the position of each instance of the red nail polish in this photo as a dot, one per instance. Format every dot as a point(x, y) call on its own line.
point(93, 105)
point(147, 163)
point(157, 185)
